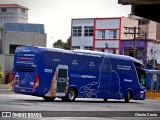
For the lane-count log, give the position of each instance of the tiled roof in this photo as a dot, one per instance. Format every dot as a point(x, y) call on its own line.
point(12, 5)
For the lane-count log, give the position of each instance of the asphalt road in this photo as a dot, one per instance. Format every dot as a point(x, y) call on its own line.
point(91, 109)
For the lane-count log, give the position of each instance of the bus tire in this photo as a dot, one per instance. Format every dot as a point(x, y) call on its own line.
point(64, 99)
point(127, 97)
point(71, 95)
point(49, 98)
point(105, 99)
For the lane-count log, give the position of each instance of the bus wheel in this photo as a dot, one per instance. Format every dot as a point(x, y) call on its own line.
point(127, 97)
point(49, 98)
point(105, 99)
point(71, 95)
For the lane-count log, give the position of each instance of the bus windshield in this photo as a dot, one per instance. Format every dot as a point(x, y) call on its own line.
point(141, 74)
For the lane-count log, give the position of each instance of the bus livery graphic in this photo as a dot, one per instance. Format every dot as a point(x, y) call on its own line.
point(68, 74)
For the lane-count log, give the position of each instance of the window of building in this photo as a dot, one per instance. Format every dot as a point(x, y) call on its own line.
point(88, 31)
point(112, 33)
point(77, 31)
point(12, 49)
point(88, 48)
point(101, 33)
point(75, 47)
point(23, 10)
point(4, 10)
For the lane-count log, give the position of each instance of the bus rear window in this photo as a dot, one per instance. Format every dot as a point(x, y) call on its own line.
point(24, 69)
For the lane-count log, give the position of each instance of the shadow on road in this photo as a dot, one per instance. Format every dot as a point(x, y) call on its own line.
point(84, 101)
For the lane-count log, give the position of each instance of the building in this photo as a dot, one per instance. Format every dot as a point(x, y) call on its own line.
point(108, 35)
point(13, 13)
point(16, 31)
point(150, 27)
point(146, 49)
point(17, 34)
point(100, 34)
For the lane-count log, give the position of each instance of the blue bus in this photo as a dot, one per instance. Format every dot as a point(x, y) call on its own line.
point(71, 74)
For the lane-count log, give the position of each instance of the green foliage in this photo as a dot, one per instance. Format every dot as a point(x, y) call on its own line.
point(58, 44)
point(63, 45)
point(1, 74)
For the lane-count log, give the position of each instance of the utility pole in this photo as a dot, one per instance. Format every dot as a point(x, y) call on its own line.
point(145, 50)
point(144, 36)
point(133, 32)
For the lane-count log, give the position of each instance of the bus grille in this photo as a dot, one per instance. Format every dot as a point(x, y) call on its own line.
point(24, 69)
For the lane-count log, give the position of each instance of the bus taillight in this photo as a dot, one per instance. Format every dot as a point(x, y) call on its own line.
point(36, 81)
point(12, 76)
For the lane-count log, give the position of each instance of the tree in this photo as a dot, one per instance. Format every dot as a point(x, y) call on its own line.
point(58, 44)
point(67, 44)
point(63, 45)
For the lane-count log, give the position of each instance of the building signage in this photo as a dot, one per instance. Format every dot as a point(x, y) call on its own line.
point(7, 15)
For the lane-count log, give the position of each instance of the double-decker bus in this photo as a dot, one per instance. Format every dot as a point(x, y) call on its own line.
point(71, 74)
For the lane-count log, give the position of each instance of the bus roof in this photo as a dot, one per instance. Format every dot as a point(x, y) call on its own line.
point(89, 52)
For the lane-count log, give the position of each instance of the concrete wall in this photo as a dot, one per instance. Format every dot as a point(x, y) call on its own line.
point(152, 30)
point(19, 38)
point(127, 22)
point(158, 30)
point(22, 38)
point(2, 63)
point(9, 62)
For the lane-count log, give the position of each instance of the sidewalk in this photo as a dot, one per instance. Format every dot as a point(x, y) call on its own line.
point(152, 95)
point(5, 88)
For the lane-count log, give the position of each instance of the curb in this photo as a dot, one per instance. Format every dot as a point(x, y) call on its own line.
point(152, 98)
point(6, 90)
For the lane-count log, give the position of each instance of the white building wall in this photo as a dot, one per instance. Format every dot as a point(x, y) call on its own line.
point(82, 40)
point(107, 34)
point(22, 17)
point(110, 44)
point(127, 22)
point(9, 16)
point(108, 23)
point(153, 49)
point(13, 15)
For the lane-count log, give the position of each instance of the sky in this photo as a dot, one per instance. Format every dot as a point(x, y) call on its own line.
point(56, 15)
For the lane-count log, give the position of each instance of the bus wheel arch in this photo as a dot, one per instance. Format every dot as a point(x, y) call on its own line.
point(71, 95)
point(129, 95)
